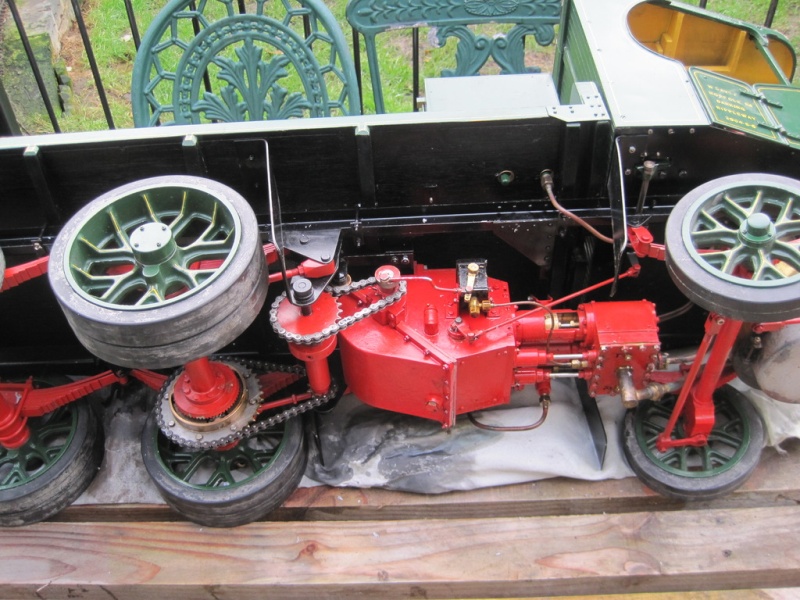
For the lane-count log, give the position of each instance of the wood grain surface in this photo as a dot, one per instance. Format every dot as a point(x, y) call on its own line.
point(557, 537)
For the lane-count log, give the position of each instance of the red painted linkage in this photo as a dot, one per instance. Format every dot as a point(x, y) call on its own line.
point(19, 274)
point(698, 413)
point(19, 401)
point(641, 240)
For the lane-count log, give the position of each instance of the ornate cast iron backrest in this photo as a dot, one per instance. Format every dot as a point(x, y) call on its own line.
point(210, 60)
point(450, 19)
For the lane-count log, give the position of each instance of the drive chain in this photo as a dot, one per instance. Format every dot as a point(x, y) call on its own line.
point(341, 324)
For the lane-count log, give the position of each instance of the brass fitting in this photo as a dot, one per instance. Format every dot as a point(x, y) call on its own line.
point(477, 306)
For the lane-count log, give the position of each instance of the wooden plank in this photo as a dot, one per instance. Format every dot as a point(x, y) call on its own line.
point(445, 558)
point(776, 482)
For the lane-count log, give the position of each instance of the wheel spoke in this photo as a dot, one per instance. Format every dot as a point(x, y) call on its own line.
point(714, 239)
point(787, 211)
point(119, 230)
point(712, 224)
point(181, 220)
point(149, 208)
point(764, 269)
point(222, 475)
point(732, 439)
point(197, 251)
point(184, 464)
point(788, 253)
point(15, 477)
point(736, 210)
point(109, 257)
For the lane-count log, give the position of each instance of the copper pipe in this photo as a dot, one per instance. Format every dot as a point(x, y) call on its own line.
point(544, 400)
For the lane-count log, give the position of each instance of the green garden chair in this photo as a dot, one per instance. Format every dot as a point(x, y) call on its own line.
point(454, 19)
point(212, 61)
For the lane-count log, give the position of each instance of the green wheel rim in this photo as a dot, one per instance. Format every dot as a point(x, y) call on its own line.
point(152, 247)
point(51, 436)
point(747, 234)
point(726, 445)
point(221, 469)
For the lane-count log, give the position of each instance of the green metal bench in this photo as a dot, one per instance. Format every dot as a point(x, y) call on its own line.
point(453, 19)
point(211, 61)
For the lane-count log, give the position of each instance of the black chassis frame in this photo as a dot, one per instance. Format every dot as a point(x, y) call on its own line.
point(389, 189)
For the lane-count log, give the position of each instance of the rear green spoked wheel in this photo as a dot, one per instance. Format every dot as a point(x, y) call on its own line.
point(53, 467)
point(733, 246)
point(161, 271)
point(226, 488)
point(689, 472)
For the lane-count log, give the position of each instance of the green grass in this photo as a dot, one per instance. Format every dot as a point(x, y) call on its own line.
point(114, 50)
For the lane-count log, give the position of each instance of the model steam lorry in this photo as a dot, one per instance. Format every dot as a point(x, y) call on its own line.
point(429, 263)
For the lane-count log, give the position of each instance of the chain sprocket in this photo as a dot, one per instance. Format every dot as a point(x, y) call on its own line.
point(341, 324)
point(249, 371)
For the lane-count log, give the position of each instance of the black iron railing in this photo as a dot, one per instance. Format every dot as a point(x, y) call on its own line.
point(8, 121)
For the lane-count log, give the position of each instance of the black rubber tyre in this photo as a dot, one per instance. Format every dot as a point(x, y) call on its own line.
point(770, 298)
point(681, 472)
point(216, 504)
point(174, 332)
point(51, 487)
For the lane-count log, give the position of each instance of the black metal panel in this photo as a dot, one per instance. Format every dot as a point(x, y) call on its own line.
point(456, 164)
point(689, 157)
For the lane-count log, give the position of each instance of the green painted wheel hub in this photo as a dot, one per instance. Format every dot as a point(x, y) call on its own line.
point(746, 235)
point(50, 437)
point(215, 469)
point(726, 445)
point(152, 247)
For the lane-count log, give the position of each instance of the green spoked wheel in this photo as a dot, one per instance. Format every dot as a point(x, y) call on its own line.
point(733, 246)
point(227, 488)
point(53, 467)
point(688, 472)
point(160, 271)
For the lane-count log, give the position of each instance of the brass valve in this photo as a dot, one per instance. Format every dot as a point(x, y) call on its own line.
point(477, 306)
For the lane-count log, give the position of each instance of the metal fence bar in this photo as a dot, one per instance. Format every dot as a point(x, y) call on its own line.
point(137, 40)
point(87, 46)
point(37, 74)
point(357, 64)
point(8, 121)
point(415, 66)
point(773, 6)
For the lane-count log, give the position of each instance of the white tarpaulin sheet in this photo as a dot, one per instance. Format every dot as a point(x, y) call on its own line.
point(367, 447)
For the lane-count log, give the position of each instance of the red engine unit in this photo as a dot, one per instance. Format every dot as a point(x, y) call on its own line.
point(436, 355)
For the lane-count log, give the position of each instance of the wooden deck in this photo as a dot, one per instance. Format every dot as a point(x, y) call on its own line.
point(556, 537)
